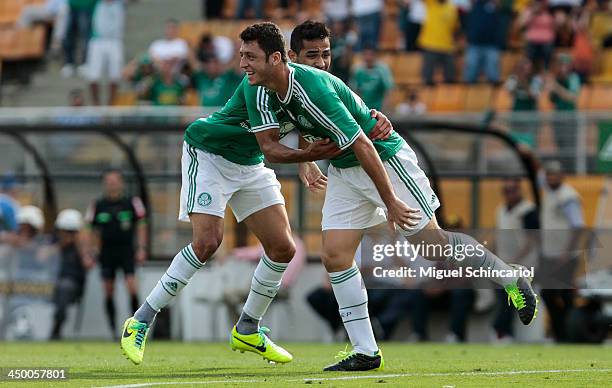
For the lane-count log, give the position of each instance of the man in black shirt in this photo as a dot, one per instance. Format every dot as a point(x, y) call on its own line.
point(120, 226)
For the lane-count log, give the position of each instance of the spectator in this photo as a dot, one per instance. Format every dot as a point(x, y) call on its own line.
point(46, 12)
point(564, 28)
point(342, 49)
point(120, 224)
point(336, 11)
point(256, 8)
point(413, 105)
point(54, 12)
point(562, 221)
point(70, 284)
point(170, 48)
point(412, 18)
point(105, 52)
point(564, 88)
point(600, 26)
point(212, 9)
point(78, 32)
point(506, 16)
point(367, 14)
point(216, 83)
point(372, 80)
point(525, 86)
point(582, 50)
point(30, 222)
point(437, 39)
point(539, 28)
point(9, 206)
point(164, 88)
point(563, 6)
point(138, 70)
point(514, 217)
point(484, 41)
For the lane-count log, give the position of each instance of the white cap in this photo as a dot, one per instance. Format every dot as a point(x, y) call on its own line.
point(69, 219)
point(32, 216)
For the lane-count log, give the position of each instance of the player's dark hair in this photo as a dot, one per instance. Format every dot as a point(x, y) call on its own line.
point(268, 36)
point(309, 30)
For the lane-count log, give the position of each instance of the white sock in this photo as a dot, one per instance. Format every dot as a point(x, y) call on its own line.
point(481, 257)
point(352, 299)
point(184, 265)
point(264, 286)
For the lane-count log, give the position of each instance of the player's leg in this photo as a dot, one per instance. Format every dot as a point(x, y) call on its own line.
point(261, 205)
point(412, 186)
point(279, 249)
point(347, 212)
point(205, 210)
point(109, 302)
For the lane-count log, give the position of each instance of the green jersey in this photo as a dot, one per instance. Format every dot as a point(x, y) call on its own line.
point(218, 90)
point(372, 84)
point(230, 131)
point(321, 106)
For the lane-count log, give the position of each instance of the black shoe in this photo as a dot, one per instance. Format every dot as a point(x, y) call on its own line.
point(352, 361)
point(524, 299)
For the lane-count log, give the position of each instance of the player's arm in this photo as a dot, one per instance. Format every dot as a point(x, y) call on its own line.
point(142, 236)
point(88, 239)
point(397, 211)
point(266, 128)
point(275, 152)
point(346, 133)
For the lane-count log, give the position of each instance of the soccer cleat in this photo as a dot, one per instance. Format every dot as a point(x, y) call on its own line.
point(259, 343)
point(133, 339)
point(353, 361)
point(524, 299)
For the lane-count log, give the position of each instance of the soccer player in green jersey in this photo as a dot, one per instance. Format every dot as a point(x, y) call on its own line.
point(363, 180)
point(222, 165)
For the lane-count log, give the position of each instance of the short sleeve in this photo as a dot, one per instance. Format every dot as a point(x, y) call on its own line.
point(261, 116)
point(332, 114)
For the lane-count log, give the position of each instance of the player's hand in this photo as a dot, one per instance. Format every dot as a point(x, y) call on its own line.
point(322, 149)
point(383, 127)
point(312, 177)
point(141, 255)
point(398, 213)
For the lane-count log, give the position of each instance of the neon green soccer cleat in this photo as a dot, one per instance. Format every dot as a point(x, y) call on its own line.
point(523, 298)
point(259, 343)
point(133, 339)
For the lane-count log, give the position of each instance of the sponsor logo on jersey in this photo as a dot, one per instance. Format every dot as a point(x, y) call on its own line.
point(204, 199)
point(305, 123)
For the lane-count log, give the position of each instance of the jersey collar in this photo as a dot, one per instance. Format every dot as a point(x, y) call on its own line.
point(289, 89)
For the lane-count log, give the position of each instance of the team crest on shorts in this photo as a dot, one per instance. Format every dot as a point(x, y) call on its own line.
point(204, 199)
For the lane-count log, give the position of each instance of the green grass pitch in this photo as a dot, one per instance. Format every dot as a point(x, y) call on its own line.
point(101, 364)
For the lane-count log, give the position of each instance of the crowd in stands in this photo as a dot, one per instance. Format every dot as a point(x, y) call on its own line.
point(463, 40)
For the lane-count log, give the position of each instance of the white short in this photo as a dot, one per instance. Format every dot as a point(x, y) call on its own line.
point(104, 56)
point(352, 201)
point(210, 183)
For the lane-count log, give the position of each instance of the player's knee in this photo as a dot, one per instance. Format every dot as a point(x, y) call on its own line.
point(335, 261)
point(206, 247)
point(282, 253)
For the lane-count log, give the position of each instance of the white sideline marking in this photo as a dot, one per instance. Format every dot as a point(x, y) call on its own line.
point(388, 376)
